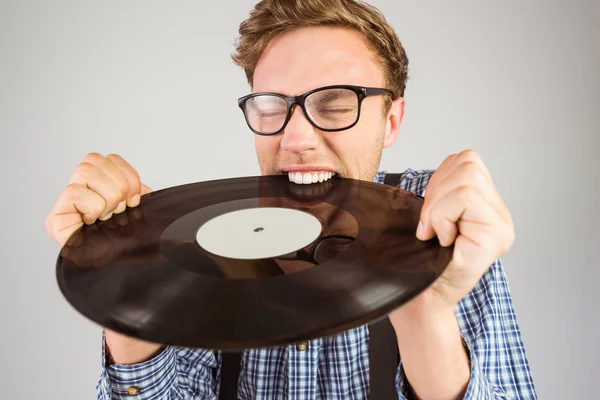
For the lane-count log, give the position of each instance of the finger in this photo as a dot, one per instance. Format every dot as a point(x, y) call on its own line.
point(465, 174)
point(452, 162)
point(438, 178)
point(132, 177)
point(424, 230)
point(463, 203)
point(467, 157)
point(496, 238)
point(95, 179)
point(465, 168)
point(440, 173)
point(86, 202)
point(114, 173)
point(76, 206)
point(473, 156)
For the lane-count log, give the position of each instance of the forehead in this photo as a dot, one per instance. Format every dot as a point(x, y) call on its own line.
point(308, 58)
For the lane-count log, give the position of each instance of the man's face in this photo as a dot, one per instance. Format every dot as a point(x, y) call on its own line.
point(310, 58)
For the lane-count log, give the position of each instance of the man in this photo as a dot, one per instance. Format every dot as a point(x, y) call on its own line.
point(459, 339)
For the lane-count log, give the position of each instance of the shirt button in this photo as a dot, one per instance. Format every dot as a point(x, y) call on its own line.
point(133, 390)
point(302, 346)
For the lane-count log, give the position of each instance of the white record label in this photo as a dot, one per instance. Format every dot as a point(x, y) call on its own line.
point(256, 233)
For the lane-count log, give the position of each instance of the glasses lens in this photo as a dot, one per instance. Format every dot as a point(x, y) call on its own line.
point(266, 114)
point(333, 108)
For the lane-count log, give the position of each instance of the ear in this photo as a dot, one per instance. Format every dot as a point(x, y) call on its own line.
point(394, 119)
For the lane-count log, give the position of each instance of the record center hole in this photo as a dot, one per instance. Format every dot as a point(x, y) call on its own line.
point(259, 229)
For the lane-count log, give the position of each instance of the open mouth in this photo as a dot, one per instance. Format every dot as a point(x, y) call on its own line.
point(309, 177)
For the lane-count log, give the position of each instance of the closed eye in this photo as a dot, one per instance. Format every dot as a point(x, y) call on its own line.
point(271, 114)
point(336, 110)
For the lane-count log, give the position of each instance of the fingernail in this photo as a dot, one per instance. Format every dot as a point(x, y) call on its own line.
point(420, 229)
point(106, 217)
point(121, 207)
point(135, 200)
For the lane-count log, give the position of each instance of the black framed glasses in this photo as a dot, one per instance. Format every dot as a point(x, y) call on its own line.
point(329, 109)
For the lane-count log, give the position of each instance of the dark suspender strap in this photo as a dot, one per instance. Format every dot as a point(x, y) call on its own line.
point(230, 372)
point(383, 365)
point(392, 179)
point(383, 360)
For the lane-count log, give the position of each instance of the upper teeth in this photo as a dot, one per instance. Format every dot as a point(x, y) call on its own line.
point(310, 177)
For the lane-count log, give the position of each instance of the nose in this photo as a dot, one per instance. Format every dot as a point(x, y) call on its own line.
point(299, 135)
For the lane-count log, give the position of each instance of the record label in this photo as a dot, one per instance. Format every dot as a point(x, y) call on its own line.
point(257, 233)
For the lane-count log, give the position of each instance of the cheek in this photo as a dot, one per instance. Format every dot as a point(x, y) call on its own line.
point(266, 148)
point(349, 148)
point(359, 147)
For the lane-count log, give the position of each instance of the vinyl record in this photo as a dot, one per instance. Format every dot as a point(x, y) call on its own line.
point(251, 262)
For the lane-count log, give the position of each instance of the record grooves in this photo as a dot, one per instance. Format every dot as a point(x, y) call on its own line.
point(286, 262)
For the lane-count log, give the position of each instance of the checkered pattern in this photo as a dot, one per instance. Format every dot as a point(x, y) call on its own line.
point(337, 367)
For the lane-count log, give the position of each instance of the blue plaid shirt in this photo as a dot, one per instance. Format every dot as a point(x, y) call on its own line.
point(337, 367)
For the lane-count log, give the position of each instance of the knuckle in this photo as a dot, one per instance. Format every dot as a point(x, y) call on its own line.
point(117, 160)
point(84, 168)
point(124, 167)
point(113, 198)
point(72, 191)
point(469, 154)
point(451, 157)
point(114, 157)
point(447, 161)
point(93, 157)
point(471, 171)
point(470, 167)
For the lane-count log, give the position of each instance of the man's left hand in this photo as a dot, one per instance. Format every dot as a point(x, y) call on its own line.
point(462, 207)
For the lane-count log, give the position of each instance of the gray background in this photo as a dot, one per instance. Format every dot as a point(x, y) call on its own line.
point(518, 81)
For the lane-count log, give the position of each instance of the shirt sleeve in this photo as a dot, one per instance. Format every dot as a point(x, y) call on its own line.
point(173, 374)
point(499, 365)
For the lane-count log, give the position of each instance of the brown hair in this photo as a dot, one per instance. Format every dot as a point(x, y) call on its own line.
point(273, 17)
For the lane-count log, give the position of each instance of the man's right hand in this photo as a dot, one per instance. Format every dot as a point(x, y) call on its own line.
point(100, 187)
